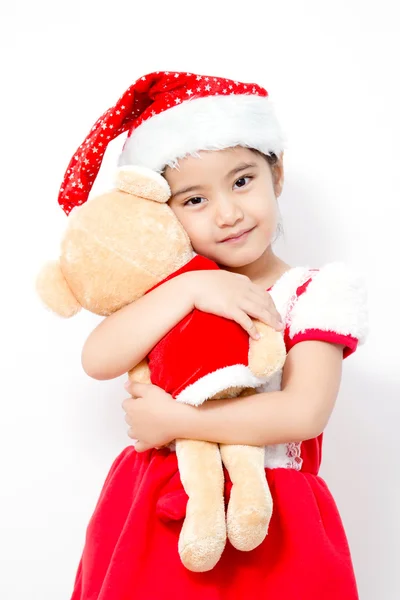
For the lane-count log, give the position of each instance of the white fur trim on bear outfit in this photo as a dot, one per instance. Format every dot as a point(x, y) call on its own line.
point(335, 300)
point(210, 123)
point(222, 379)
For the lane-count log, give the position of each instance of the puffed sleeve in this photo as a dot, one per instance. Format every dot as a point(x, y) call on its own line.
point(333, 308)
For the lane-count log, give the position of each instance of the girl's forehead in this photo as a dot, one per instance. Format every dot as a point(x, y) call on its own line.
point(211, 162)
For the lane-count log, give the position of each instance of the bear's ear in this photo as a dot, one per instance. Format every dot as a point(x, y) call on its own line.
point(143, 182)
point(54, 291)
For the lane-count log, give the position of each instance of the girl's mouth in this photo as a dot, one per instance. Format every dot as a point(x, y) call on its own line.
point(237, 238)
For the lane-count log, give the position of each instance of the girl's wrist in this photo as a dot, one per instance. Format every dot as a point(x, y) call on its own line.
point(183, 418)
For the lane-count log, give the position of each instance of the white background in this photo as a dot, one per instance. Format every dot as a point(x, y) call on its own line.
point(332, 72)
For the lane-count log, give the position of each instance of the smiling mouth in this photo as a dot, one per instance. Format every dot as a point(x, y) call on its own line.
point(238, 237)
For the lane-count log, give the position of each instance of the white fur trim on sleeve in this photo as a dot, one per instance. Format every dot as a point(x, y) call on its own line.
point(335, 300)
point(284, 290)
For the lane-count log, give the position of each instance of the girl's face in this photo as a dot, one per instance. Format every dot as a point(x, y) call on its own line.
point(226, 202)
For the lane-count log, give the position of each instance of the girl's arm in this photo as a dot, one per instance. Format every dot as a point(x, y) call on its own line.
point(300, 411)
point(124, 338)
point(331, 312)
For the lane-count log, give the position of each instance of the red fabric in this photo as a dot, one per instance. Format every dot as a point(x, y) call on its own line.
point(200, 342)
point(131, 547)
point(132, 537)
point(350, 343)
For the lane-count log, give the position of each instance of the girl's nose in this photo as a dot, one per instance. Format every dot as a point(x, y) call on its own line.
point(228, 213)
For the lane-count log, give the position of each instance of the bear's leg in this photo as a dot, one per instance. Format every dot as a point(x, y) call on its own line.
point(203, 536)
point(250, 505)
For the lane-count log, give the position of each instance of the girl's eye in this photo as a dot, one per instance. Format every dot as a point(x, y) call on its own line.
point(243, 181)
point(194, 201)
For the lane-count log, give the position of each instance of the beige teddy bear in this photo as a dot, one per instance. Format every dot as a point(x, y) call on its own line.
point(116, 248)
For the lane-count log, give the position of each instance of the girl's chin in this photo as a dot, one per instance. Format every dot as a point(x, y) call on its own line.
point(241, 258)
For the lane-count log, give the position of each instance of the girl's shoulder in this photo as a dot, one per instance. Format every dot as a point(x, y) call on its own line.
point(327, 304)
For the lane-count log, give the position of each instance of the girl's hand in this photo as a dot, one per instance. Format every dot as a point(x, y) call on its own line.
point(150, 415)
point(234, 297)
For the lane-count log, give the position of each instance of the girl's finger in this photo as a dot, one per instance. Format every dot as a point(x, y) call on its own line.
point(259, 292)
point(138, 389)
point(247, 323)
point(267, 303)
point(131, 434)
point(266, 300)
point(244, 277)
point(126, 404)
point(257, 311)
point(270, 307)
point(270, 319)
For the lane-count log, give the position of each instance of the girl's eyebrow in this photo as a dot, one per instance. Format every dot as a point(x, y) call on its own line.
point(185, 190)
point(237, 169)
point(241, 167)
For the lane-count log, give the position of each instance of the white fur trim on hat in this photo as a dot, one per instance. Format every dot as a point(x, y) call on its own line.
point(211, 123)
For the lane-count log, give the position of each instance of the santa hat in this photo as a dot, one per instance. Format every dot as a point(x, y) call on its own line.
point(169, 115)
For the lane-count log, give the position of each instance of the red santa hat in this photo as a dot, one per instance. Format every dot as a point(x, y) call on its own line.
point(169, 115)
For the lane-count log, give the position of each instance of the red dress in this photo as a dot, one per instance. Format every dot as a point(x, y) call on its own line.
point(131, 547)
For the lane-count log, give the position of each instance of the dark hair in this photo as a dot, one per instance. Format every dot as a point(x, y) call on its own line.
point(271, 159)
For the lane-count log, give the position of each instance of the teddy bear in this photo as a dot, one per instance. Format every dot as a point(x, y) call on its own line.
point(117, 247)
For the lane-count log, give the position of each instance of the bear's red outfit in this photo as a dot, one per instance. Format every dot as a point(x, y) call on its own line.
point(131, 548)
point(203, 354)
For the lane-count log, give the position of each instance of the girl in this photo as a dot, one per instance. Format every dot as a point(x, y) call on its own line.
point(220, 147)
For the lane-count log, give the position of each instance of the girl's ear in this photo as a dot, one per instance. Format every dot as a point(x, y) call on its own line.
point(278, 175)
point(54, 291)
